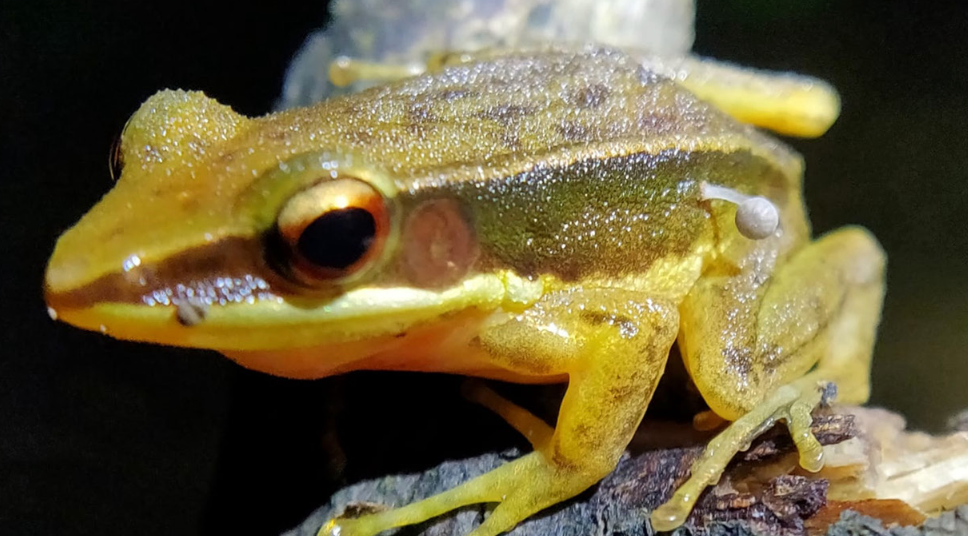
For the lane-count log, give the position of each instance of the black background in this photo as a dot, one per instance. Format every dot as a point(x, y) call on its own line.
point(103, 437)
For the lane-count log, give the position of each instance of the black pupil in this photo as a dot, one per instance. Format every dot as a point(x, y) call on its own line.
point(338, 238)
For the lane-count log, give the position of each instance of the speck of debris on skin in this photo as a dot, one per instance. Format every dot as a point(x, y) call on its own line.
point(190, 312)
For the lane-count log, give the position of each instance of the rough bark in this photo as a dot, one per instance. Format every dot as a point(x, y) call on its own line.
point(761, 493)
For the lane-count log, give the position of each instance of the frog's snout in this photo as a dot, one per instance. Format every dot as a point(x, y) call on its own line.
point(63, 274)
point(74, 290)
point(60, 277)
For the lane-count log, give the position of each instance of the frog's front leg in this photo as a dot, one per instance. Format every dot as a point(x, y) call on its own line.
point(750, 340)
point(612, 345)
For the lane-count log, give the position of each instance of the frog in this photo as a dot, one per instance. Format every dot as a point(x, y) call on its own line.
point(535, 217)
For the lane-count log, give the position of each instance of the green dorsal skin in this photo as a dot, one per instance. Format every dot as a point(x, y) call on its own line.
point(604, 217)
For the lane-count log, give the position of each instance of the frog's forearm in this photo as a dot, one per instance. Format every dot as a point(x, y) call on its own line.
point(613, 346)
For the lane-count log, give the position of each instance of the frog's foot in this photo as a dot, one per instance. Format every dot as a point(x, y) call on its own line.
point(522, 488)
point(791, 403)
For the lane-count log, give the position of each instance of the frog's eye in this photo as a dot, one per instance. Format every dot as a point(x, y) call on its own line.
point(332, 230)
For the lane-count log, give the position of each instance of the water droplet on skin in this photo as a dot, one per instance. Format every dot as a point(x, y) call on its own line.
point(131, 263)
point(52, 313)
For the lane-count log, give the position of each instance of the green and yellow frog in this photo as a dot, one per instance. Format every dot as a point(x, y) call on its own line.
point(537, 216)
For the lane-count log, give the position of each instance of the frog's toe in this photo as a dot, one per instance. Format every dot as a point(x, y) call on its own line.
point(799, 420)
point(671, 515)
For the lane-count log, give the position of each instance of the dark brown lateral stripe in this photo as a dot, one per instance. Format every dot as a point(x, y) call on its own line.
point(228, 271)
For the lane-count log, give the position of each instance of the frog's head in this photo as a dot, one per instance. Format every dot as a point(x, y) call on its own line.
point(222, 234)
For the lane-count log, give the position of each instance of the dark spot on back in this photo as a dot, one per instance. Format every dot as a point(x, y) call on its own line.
point(590, 97)
point(421, 112)
point(190, 312)
point(506, 113)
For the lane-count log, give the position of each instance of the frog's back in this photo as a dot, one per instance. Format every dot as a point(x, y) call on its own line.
point(572, 163)
point(529, 131)
point(514, 110)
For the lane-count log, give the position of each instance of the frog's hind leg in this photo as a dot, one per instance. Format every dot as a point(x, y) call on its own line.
point(846, 269)
point(612, 345)
point(752, 360)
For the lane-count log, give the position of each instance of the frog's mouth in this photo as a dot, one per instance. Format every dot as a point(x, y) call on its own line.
point(217, 298)
point(277, 322)
point(272, 322)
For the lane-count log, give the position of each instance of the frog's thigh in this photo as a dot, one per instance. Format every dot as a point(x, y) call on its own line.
point(852, 265)
point(613, 346)
point(822, 306)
